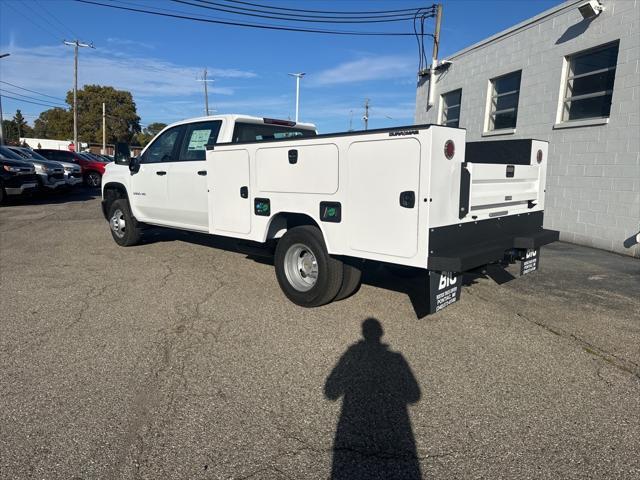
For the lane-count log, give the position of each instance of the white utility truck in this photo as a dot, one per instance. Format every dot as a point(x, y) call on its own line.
point(414, 196)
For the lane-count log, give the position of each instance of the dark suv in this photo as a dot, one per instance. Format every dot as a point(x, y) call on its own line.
point(92, 170)
point(16, 177)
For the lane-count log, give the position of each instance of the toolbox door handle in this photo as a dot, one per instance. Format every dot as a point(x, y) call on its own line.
point(465, 187)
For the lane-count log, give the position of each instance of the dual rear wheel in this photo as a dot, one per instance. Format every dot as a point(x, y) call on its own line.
point(307, 274)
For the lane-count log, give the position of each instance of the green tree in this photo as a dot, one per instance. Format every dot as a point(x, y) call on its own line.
point(55, 123)
point(10, 132)
point(24, 130)
point(123, 122)
point(147, 133)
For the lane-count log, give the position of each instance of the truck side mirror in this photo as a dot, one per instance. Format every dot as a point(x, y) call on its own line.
point(122, 154)
point(134, 165)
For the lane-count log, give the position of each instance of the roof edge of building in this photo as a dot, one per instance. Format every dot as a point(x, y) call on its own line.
point(520, 26)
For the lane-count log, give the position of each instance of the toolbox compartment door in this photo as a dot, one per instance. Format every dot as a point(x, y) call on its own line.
point(383, 184)
point(229, 193)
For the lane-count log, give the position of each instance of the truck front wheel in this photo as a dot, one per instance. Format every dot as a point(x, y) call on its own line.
point(124, 227)
point(307, 274)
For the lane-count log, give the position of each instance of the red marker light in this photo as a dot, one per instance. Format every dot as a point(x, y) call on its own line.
point(539, 156)
point(449, 149)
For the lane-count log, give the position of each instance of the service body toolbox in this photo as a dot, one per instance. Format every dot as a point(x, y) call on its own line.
point(416, 196)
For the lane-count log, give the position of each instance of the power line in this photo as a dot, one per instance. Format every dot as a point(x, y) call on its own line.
point(291, 17)
point(43, 18)
point(25, 96)
point(412, 10)
point(32, 20)
point(56, 18)
point(248, 25)
point(32, 91)
point(29, 101)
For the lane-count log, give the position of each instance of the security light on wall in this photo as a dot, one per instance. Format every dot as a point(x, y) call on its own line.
point(590, 9)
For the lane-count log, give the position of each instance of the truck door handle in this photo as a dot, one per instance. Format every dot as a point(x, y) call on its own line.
point(161, 172)
point(244, 192)
point(202, 173)
point(408, 199)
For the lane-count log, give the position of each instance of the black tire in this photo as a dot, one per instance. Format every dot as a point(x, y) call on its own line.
point(3, 194)
point(125, 234)
point(351, 281)
point(328, 270)
point(93, 179)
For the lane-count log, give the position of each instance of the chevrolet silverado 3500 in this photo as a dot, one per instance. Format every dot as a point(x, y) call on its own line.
point(414, 196)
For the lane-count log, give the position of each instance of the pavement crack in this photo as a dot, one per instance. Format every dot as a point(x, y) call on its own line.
point(621, 363)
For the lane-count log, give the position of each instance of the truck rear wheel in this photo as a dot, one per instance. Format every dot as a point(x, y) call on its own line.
point(307, 274)
point(124, 227)
point(351, 280)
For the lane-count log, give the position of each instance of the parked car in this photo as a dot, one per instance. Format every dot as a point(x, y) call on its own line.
point(16, 177)
point(72, 172)
point(50, 174)
point(92, 170)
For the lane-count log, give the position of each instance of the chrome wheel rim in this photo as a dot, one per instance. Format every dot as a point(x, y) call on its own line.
point(93, 180)
point(301, 267)
point(117, 223)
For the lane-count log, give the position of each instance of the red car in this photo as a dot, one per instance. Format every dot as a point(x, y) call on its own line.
point(92, 169)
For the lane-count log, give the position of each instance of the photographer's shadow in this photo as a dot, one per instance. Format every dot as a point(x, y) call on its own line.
point(374, 438)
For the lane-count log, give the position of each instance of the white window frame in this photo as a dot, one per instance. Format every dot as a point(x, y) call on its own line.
point(442, 106)
point(561, 122)
point(488, 106)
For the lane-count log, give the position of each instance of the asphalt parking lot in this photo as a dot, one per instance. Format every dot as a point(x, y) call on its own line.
point(181, 358)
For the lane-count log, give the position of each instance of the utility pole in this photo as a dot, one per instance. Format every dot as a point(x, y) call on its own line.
point(104, 129)
point(434, 56)
point(76, 43)
point(206, 91)
point(366, 114)
point(3, 55)
point(298, 76)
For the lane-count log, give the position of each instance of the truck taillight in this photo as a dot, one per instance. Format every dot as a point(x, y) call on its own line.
point(539, 156)
point(449, 149)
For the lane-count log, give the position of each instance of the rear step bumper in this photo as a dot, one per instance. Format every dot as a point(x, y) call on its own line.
point(464, 246)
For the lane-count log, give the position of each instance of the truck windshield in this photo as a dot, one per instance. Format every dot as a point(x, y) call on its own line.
point(257, 132)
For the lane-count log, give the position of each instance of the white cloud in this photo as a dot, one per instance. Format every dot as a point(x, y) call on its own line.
point(49, 69)
point(129, 43)
point(365, 69)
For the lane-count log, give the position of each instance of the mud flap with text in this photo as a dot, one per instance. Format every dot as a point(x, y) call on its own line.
point(530, 261)
point(444, 289)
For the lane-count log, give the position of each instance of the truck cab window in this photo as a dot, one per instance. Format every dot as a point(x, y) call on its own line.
point(257, 132)
point(161, 150)
point(196, 138)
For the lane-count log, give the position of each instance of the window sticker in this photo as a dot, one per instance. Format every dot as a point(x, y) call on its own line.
point(199, 138)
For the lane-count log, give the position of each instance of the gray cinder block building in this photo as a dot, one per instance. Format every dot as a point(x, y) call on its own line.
point(573, 81)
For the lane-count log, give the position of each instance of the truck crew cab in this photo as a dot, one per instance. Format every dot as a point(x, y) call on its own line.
point(415, 196)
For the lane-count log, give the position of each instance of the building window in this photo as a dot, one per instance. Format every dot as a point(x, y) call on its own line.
point(450, 116)
point(589, 84)
point(505, 91)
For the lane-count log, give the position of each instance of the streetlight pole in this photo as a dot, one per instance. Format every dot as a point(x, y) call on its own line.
point(3, 55)
point(76, 43)
point(298, 77)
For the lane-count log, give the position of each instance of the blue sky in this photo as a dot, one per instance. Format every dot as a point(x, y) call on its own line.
point(159, 59)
